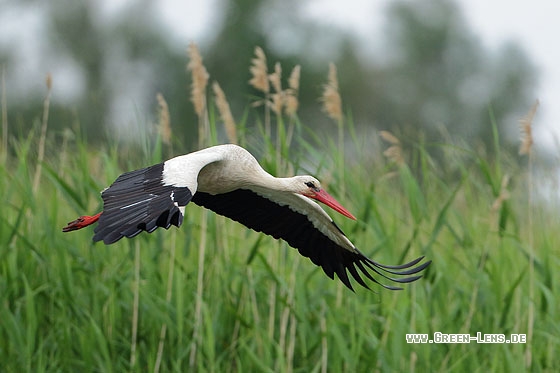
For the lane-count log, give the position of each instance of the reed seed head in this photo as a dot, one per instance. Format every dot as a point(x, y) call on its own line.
point(277, 102)
point(164, 122)
point(276, 78)
point(225, 113)
point(277, 98)
point(259, 71)
point(503, 196)
point(291, 101)
point(526, 124)
point(293, 80)
point(332, 103)
point(394, 152)
point(49, 81)
point(199, 79)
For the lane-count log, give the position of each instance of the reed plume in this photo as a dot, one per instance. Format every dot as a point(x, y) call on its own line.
point(394, 152)
point(198, 96)
point(526, 148)
point(332, 103)
point(503, 196)
point(277, 98)
point(526, 132)
point(4, 150)
point(259, 80)
point(259, 71)
point(199, 79)
point(291, 97)
point(198, 92)
point(225, 113)
point(43, 138)
point(164, 121)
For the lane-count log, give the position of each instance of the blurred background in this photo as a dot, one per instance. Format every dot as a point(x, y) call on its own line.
point(438, 67)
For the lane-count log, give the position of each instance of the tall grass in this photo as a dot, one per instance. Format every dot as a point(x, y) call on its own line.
point(145, 304)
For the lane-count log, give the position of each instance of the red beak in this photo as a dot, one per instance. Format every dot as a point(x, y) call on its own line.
point(329, 200)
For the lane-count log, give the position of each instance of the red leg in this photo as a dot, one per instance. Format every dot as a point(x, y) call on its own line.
point(81, 222)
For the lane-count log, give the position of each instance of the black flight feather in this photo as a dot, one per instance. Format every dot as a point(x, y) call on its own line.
point(281, 222)
point(139, 201)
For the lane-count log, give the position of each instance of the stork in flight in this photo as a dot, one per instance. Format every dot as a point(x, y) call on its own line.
point(228, 180)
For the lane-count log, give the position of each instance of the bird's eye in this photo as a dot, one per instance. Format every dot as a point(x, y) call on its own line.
point(311, 185)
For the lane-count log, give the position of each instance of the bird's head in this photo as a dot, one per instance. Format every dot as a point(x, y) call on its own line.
point(311, 187)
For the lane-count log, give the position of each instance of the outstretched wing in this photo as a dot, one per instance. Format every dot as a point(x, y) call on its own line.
point(140, 201)
point(323, 246)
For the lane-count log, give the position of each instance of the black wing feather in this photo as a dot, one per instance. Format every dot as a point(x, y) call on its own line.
point(280, 222)
point(139, 201)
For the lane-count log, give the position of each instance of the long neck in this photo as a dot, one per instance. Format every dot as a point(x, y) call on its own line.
point(234, 168)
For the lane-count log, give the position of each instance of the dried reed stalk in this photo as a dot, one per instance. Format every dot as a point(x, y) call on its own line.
point(200, 80)
point(292, 345)
point(168, 294)
point(276, 104)
point(289, 317)
point(503, 196)
point(259, 71)
point(291, 102)
point(196, 338)
point(394, 153)
point(324, 341)
point(276, 77)
point(526, 131)
point(526, 147)
point(225, 113)
point(4, 115)
point(332, 103)
point(136, 300)
point(198, 92)
point(43, 138)
point(293, 80)
point(259, 80)
point(277, 98)
point(291, 97)
point(164, 122)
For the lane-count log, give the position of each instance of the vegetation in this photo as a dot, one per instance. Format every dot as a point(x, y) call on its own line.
point(214, 296)
point(424, 69)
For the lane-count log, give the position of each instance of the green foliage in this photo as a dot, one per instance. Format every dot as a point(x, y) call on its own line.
point(67, 304)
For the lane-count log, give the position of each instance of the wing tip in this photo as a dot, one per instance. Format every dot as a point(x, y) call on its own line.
point(364, 263)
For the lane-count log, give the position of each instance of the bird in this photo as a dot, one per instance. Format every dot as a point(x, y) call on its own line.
point(228, 180)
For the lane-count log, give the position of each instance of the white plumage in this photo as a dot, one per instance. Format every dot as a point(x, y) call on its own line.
point(228, 180)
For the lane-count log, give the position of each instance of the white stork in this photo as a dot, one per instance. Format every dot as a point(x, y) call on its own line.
point(228, 180)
